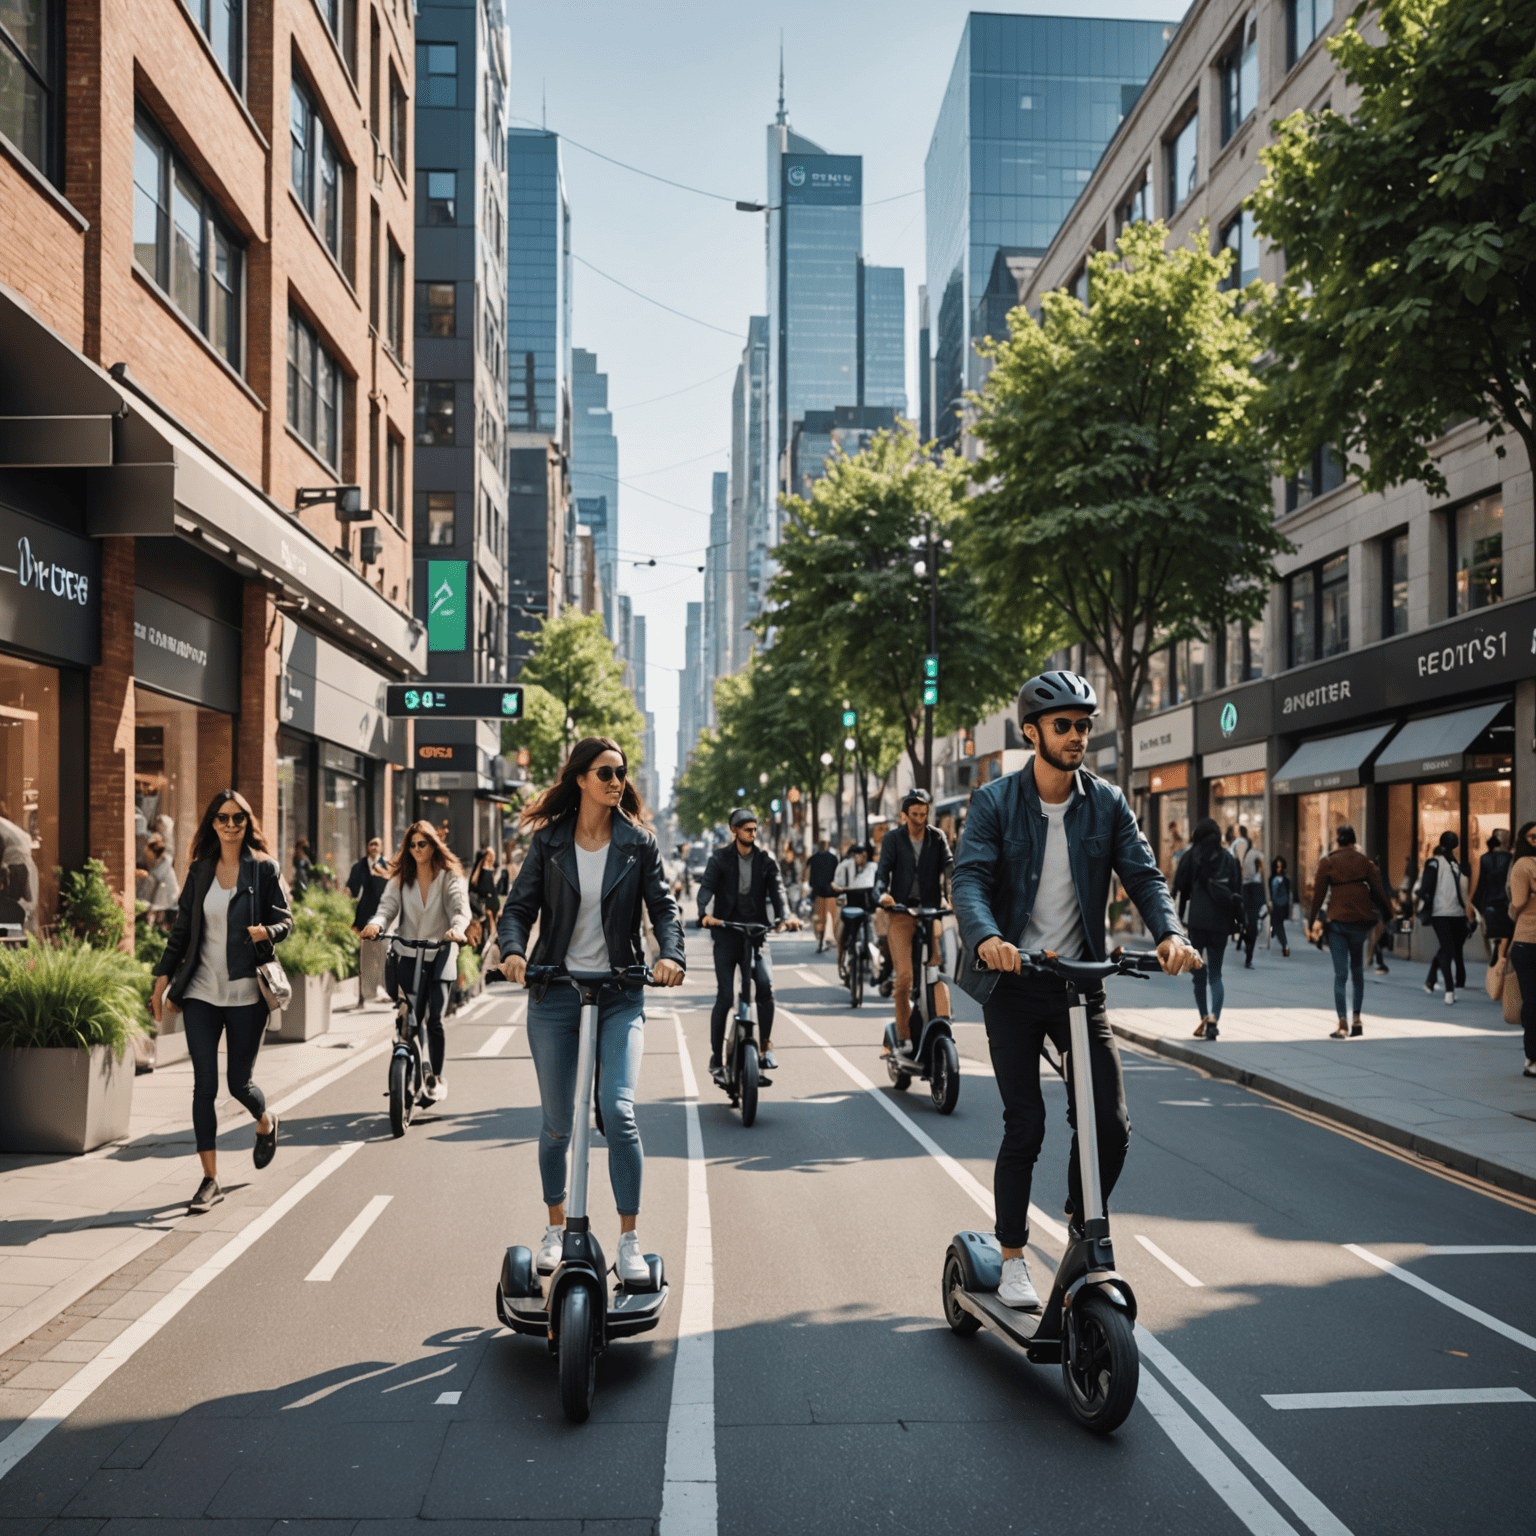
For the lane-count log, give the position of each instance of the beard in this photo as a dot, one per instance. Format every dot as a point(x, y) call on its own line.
point(1058, 763)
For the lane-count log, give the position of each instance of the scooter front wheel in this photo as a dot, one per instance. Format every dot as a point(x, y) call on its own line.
point(748, 1083)
point(578, 1354)
point(955, 1315)
point(944, 1077)
point(402, 1102)
point(1100, 1364)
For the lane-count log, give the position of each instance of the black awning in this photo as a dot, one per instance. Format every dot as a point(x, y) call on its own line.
point(1436, 745)
point(1333, 762)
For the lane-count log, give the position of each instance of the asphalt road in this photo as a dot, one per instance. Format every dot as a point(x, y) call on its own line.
point(820, 1389)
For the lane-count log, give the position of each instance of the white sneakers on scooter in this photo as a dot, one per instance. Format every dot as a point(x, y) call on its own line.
point(633, 1270)
point(548, 1256)
point(1016, 1289)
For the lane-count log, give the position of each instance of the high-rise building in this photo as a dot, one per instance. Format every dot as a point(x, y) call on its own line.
point(924, 368)
point(717, 593)
point(541, 514)
point(461, 398)
point(595, 471)
point(690, 686)
point(752, 523)
point(649, 782)
point(882, 338)
point(1031, 103)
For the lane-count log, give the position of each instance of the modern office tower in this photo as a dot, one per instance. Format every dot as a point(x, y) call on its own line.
point(1031, 103)
point(689, 686)
point(461, 400)
point(753, 526)
point(822, 435)
point(648, 781)
point(924, 368)
point(541, 511)
point(595, 471)
point(624, 640)
point(717, 593)
point(882, 338)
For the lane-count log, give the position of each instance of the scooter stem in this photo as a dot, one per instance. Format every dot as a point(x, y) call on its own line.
point(581, 1140)
point(1087, 1130)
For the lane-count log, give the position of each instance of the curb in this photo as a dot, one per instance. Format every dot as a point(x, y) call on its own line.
point(1513, 1180)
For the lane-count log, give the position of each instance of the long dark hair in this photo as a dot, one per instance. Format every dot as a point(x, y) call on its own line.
point(205, 841)
point(1277, 866)
point(1525, 841)
point(442, 856)
point(1205, 846)
point(563, 797)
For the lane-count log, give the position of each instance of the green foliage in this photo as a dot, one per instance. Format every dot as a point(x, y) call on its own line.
point(69, 994)
point(1128, 496)
point(89, 909)
point(469, 967)
point(846, 592)
point(322, 938)
point(148, 940)
point(1409, 231)
point(572, 673)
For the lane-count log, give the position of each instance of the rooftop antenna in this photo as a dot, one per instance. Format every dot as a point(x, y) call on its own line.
point(781, 119)
point(544, 104)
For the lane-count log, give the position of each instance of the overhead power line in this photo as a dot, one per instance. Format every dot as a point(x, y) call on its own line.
point(634, 405)
point(707, 324)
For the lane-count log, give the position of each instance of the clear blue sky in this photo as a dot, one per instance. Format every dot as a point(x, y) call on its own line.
point(685, 89)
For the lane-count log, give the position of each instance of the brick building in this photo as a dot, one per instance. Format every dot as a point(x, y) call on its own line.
point(206, 240)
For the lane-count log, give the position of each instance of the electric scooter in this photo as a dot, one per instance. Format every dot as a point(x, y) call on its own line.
point(1087, 1321)
point(406, 1078)
point(571, 1308)
point(861, 958)
point(935, 1058)
point(739, 1056)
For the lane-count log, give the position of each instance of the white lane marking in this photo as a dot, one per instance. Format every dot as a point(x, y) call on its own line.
point(1317, 1516)
point(49, 1414)
point(447, 1399)
point(1433, 1397)
point(814, 979)
point(1455, 1303)
point(1211, 1462)
point(325, 1079)
point(500, 1039)
point(1484, 1248)
point(1173, 1264)
point(336, 1254)
point(1314, 1514)
point(689, 1495)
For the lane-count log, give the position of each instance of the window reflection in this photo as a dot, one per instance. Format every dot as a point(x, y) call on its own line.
point(29, 796)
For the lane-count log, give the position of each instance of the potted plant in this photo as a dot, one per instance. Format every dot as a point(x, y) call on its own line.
point(313, 960)
point(68, 1017)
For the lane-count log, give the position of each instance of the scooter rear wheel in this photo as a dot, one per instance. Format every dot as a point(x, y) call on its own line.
point(748, 1083)
point(955, 1315)
point(856, 979)
point(944, 1077)
point(578, 1355)
point(402, 1102)
point(1100, 1365)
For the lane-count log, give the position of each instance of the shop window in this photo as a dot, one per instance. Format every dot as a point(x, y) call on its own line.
point(1237, 236)
point(1239, 71)
point(180, 751)
point(395, 334)
point(341, 19)
point(318, 173)
point(1237, 800)
point(399, 807)
point(435, 413)
point(293, 807)
point(437, 74)
point(1318, 819)
point(399, 120)
point(440, 510)
point(1181, 162)
point(1137, 208)
point(394, 477)
point(314, 391)
point(29, 796)
point(343, 811)
point(1305, 21)
point(1401, 852)
point(1487, 813)
point(1477, 554)
point(181, 243)
point(437, 312)
point(1439, 812)
point(1394, 584)
point(31, 66)
point(437, 196)
point(1324, 473)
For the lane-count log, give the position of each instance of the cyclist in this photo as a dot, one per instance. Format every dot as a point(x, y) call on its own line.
point(742, 881)
point(1034, 872)
point(854, 881)
point(915, 861)
point(425, 897)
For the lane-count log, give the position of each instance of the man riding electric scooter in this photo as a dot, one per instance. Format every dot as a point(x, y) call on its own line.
point(1034, 873)
point(915, 860)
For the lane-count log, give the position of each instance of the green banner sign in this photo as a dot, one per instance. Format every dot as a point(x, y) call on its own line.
point(447, 604)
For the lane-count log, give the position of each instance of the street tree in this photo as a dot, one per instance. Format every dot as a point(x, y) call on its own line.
point(573, 687)
point(1409, 230)
point(854, 590)
point(1126, 491)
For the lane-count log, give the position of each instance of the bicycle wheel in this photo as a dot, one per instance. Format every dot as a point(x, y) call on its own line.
point(1100, 1365)
point(402, 1102)
point(748, 1083)
point(578, 1354)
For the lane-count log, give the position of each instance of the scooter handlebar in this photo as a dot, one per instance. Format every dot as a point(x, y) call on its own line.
point(1046, 962)
point(618, 976)
point(930, 912)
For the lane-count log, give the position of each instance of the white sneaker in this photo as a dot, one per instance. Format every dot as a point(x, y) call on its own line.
point(1016, 1289)
point(1450, 996)
point(633, 1270)
point(438, 1091)
point(550, 1250)
point(1429, 990)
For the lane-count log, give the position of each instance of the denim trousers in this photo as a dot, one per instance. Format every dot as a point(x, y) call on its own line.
point(1346, 943)
point(1212, 945)
point(554, 1035)
point(245, 1028)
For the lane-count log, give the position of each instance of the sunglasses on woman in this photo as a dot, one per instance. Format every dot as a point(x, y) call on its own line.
point(230, 818)
point(419, 842)
point(607, 774)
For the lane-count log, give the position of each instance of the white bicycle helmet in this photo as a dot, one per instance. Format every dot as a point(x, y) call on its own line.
point(1055, 690)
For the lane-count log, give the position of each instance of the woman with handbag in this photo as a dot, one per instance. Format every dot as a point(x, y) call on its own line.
point(1208, 883)
point(1522, 948)
point(1445, 902)
point(233, 910)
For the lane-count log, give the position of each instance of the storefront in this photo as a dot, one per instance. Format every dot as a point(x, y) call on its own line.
point(1162, 747)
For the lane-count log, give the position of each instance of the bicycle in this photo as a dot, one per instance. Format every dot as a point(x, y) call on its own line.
point(860, 958)
point(406, 1077)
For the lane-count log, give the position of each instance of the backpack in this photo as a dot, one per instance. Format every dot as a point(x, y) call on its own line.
point(1226, 897)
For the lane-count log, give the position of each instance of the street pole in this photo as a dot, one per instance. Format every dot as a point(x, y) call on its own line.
point(933, 650)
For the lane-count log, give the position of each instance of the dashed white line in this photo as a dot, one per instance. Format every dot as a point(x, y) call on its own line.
point(1455, 1303)
point(447, 1399)
point(336, 1254)
point(498, 1041)
point(1173, 1264)
point(1434, 1397)
point(1481, 1248)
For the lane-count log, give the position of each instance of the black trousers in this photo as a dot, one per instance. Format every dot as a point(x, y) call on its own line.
point(1253, 913)
point(1452, 933)
point(245, 1028)
point(730, 949)
point(1522, 960)
point(400, 977)
point(1020, 1017)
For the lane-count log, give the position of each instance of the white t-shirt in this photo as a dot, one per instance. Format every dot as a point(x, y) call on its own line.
point(851, 878)
point(588, 949)
point(1057, 920)
point(1448, 898)
point(211, 981)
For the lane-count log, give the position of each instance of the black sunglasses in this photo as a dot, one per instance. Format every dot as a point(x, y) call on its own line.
point(606, 773)
point(420, 842)
point(230, 818)
point(1064, 727)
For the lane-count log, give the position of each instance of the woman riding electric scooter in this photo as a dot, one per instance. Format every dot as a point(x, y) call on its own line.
point(590, 865)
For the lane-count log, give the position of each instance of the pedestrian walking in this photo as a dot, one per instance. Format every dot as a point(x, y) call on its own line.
point(1208, 885)
point(232, 912)
point(158, 887)
point(1381, 934)
point(1280, 902)
point(1522, 948)
point(1491, 898)
point(365, 885)
point(819, 870)
point(1251, 862)
point(1351, 886)
point(1445, 903)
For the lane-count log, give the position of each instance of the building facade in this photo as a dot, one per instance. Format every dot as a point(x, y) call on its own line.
point(206, 240)
point(595, 473)
point(719, 620)
point(753, 518)
point(690, 687)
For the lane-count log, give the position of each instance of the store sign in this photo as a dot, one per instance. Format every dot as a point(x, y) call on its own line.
point(1234, 719)
point(453, 756)
point(455, 701)
point(825, 181)
point(185, 654)
point(50, 602)
point(1165, 738)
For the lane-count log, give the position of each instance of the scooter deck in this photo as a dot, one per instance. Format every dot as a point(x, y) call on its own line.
point(1021, 1329)
point(629, 1313)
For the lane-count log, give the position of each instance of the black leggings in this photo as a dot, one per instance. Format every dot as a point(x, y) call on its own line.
point(728, 958)
point(1020, 1016)
point(244, 1026)
point(400, 977)
point(1452, 933)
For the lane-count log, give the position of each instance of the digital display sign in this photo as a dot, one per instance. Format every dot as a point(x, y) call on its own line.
point(454, 701)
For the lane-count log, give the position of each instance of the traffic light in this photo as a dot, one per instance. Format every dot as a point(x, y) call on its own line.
point(930, 668)
point(850, 719)
point(930, 695)
point(773, 805)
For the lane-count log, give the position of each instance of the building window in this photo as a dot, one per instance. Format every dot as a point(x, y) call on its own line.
point(394, 477)
point(1477, 554)
point(1237, 236)
point(437, 195)
point(180, 241)
point(1137, 208)
point(399, 117)
point(437, 74)
point(31, 60)
point(314, 391)
point(1305, 22)
point(1301, 602)
point(437, 309)
point(434, 413)
point(1239, 70)
point(440, 518)
point(1317, 600)
point(341, 19)
point(1182, 155)
point(1242, 653)
point(396, 296)
point(1394, 584)
point(223, 23)
point(1325, 473)
point(1333, 606)
point(317, 171)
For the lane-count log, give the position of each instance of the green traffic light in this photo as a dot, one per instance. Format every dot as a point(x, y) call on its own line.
point(850, 718)
point(930, 694)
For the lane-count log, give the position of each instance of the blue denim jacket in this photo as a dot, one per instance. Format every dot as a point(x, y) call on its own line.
point(1002, 852)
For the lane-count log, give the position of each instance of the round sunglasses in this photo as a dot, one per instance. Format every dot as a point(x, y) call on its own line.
point(230, 818)
point(607, 773)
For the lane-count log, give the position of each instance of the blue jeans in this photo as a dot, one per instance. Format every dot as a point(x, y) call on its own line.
point(554, 1034)
point(1346, 943)
point(1213, 947)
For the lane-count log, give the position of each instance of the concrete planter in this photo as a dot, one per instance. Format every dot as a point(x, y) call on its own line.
point(309, 1014)
point(63, 1099)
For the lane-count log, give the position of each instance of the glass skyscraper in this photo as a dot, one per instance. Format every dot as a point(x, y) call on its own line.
point(883, 337)
point(595, 471)
point(538, 283)
point(1031, 103)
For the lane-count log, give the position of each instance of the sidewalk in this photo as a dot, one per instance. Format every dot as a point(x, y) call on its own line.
point(1441, 1081)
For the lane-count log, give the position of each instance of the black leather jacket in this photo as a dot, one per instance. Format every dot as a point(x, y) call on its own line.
point(894, 875)
point(260, 899)
point(548, 888)
point(722, 885)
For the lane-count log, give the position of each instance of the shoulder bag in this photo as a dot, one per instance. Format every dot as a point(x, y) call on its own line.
point(276, 989)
